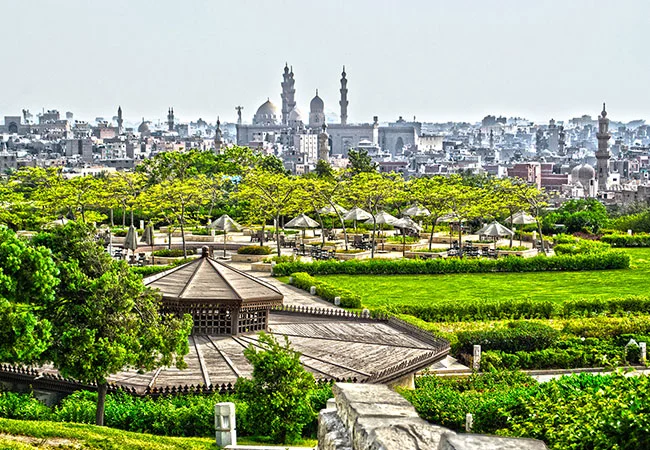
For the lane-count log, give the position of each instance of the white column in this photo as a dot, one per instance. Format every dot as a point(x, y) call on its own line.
point(224, 424)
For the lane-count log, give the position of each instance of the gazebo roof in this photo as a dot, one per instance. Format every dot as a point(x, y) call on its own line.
point(207, 280)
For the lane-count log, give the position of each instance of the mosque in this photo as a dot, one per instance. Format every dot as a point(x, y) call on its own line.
point(288, 131)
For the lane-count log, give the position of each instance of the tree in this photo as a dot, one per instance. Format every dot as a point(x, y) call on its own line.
point(466, 203)
point(324, 169)
point(272, 194)
point(360, 162)
point(279, 390)
point(373, 191)
point(511, 196)
point(432, 193)
point(176, 198)
point(28, 278)
point(103, 318)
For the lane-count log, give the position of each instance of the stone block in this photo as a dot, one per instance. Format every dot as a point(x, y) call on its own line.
point(396, 433)
point(332, 434)
point(453, 441)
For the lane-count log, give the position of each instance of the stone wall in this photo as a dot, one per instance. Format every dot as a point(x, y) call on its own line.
point(373, 417)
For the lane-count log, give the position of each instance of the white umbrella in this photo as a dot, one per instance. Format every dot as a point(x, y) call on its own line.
point(357, 213)
point(225, 223)
point(383, 218)
point(494, 229)
point(416, 211)
point(406, 223)
point(302, 221)
point(521, 218)
point(329, 209)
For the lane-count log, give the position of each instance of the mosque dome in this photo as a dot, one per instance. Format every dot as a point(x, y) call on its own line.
point(144, 127)
point(317, 104)
point(267, 114)
point(583, 173)
point(295, 115)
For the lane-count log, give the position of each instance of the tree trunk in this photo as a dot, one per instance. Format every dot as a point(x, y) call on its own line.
point(111, 214)
point(372, 241)
point(101, 402)
point(433, 228)
point(345, 233)
point(262, 235)
point(131, 216)
point(460, 238)
point(322, 225)
point(183, 231)
point(541, 236)
point(123, 216)
point(511, 225)
point(277, 235)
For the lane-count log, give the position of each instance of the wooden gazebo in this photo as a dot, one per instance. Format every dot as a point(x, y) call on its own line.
point(221, 299)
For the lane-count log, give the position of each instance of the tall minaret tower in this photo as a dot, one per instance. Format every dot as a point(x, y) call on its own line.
point(120, 121)
point(344, 98)
point(602, 154)
point(285, 88)
point(218, 137)
point(170, 119)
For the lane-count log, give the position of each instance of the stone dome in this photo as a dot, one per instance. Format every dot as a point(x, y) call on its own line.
point(317, 104)
point(144, 127)
point(295, 115)
point(267, 114)
point(583, 173)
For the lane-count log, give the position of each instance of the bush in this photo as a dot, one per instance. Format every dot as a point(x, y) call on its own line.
point(581, 247)
point(596, 261)
point(254, 250)
point(625, 240)
point(514, 248)
point(172, 252)
point(326, 291)
point(402, 239)
point(23, 407)
point(282, 259)
point(516, 336)
point(482, 310)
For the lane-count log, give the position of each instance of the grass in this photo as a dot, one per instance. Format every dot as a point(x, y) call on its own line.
point(23, 434)
point(556, 286)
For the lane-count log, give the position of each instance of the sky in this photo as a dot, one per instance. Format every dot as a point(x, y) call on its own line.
point(436, 60)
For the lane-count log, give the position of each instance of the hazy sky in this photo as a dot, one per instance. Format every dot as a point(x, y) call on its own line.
point(437, 60)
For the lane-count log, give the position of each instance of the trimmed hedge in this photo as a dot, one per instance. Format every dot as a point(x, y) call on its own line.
point(326, 291)
point(517, 336)
point(254, 250)
point(172, 252)
point(625, 240)
point(524, 309)
point(597, 261)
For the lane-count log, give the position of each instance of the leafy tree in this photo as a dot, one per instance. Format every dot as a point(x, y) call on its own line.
point(324, 169)
point(508, 196)
point(103, 318)
point(466, 203)
point(360, 162)
point(28, 278)
point(579, 215)
point(432, 193)
point(278, 392)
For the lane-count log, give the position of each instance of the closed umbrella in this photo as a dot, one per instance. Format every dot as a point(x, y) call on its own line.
point(131, 239)
point(383, 218)
point(303, 222)
point(148, 238)
point(406, 223)
point(225, 223)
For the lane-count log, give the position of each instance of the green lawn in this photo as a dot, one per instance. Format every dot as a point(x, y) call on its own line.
point(557, 286)
point(24, 434)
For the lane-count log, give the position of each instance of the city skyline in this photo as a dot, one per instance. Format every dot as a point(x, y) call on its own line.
point(433, 60)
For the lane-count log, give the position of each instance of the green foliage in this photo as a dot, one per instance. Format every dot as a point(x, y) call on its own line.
point(23, 407)
point(360, 162)
point(402, 239)
point(254, 250)
point(171, 252)
point(599, 261)
point(282, 259)
point(638, 222)
point(578, 215)
point(325, 291)
point(278, 392)
point(514, 248)
point(581, 247)
point(516, 336)
point(625, 240)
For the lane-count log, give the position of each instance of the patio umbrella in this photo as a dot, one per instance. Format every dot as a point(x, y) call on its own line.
point(61, 221)
point(495, 230)
point(383, 218)
point(416, 211)
point(448, 218)
point(406, 223)
point(225, 224)
point(148, 238)
point(329, 209)
point(131, 239)
point(302, 221)
point(357, 213)
point(520, 218)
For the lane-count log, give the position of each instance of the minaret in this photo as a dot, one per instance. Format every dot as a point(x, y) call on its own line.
point(120, 121)
point(218, 137)
point(344, 98)
point(170, 119)
point(283, 95)
point(602, 154)
point(291, 92)
point(238, 109)
point(324, 144)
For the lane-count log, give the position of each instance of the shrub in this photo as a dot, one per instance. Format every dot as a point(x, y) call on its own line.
point(254, 250)
point(625, 240)
point(282, 259)
point(402, 239)
point(22, 407)
point(596, 261)
point(326, 291)
point(516, 336)
point(514, 248)
point(172, 252)
point(581, 247)
point(481, 310)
